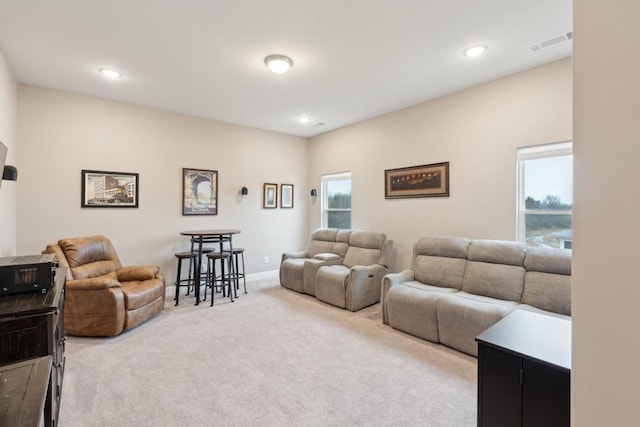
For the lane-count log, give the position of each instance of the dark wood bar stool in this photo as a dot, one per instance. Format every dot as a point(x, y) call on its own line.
point(237, 274)
point(188, 282)
point(220, 281)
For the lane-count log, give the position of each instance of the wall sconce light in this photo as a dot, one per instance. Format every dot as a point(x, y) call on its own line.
point(10, 173)
point(244, 191)
point(314, 192)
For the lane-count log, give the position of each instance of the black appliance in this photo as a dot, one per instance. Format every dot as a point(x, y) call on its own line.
point(27, 273)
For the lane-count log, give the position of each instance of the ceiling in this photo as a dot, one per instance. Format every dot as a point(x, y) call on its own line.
point(353, 59)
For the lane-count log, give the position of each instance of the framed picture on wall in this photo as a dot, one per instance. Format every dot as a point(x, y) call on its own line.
point(102, 189)
point(286, 195)
point(270, 196)
point(199, 192)
point(417, 181)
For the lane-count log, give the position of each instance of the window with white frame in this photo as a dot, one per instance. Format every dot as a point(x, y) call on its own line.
point(545, 195)
point(336, 200)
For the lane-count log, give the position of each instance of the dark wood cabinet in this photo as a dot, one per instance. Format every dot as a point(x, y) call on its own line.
point(524, 371)
point(31, 326)
point(23, 387)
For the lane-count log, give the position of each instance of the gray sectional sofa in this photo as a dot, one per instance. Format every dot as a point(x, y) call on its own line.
point(340, 267)
point(457, 287)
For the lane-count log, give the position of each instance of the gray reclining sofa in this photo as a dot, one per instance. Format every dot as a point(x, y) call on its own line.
point(340, 267)
point(456, 288)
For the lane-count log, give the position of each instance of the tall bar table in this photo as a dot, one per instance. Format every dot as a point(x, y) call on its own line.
point(222, 235)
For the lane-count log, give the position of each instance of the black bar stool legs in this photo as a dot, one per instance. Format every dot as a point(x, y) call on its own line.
point(220, 281)
point(180, 282)
point(237, 274)
point(219, 278)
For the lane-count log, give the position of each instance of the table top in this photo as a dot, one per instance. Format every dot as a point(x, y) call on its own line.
point(213, 232)
point(543, 338)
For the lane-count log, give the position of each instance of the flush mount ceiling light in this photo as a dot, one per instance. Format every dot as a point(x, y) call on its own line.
point(278, 63)
point(110, 74)
point(475, 51)
point(304, 119)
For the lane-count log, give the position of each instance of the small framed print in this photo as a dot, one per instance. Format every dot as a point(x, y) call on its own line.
point(199, 192)
point(270, 196)
point(286, 195)
point(102, 189)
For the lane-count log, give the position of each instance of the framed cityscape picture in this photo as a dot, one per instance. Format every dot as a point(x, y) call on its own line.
point(102, 189)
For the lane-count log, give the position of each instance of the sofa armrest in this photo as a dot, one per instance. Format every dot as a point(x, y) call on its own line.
point(299, 254)
point(92, 284)
point(387, 282)
point(137, 272)
point(363, 286)
point(94, 307)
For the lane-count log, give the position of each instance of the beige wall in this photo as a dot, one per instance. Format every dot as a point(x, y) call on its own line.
point(8, 136)
point(476, 130)
point(605, 291)
point(60, 134)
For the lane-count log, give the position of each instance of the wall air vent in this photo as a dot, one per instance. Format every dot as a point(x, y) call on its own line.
point(543, 44)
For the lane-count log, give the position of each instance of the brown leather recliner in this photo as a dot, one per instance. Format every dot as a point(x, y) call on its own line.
point(103, 298)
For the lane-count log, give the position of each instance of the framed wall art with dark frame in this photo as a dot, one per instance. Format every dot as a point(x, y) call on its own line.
point(286, 195)
point(101, 189)
point(417, 181)
point(199, 192)
point(270, 196)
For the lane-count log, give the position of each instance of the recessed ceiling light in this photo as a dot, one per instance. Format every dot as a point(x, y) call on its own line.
point(304, 119)
point(110, 74)
point(278, 63)
point(475, 51)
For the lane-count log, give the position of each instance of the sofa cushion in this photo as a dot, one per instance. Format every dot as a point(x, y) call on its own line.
point(451, 247)
point(342, 242)
point(88, 257)
point(462, 317)
point(439, 271)
point(326, 234)
point(548, 260)
point(322, 240)
point(361, 256)
point(497, 252)
point(311, 267)
point(137, 293)
point(331, 281)
point(367, 239)
point(500, 281)
point(320, 246)
point(548, 291)
point(85, 250)
point(412, 308)
point(365, 248)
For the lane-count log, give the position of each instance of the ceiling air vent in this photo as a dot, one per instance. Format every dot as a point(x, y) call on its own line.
point(560, 38)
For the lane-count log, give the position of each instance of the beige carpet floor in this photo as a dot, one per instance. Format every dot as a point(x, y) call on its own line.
point(271, 358)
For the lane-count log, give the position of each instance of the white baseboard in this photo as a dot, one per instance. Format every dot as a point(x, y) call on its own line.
point(262, 275)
